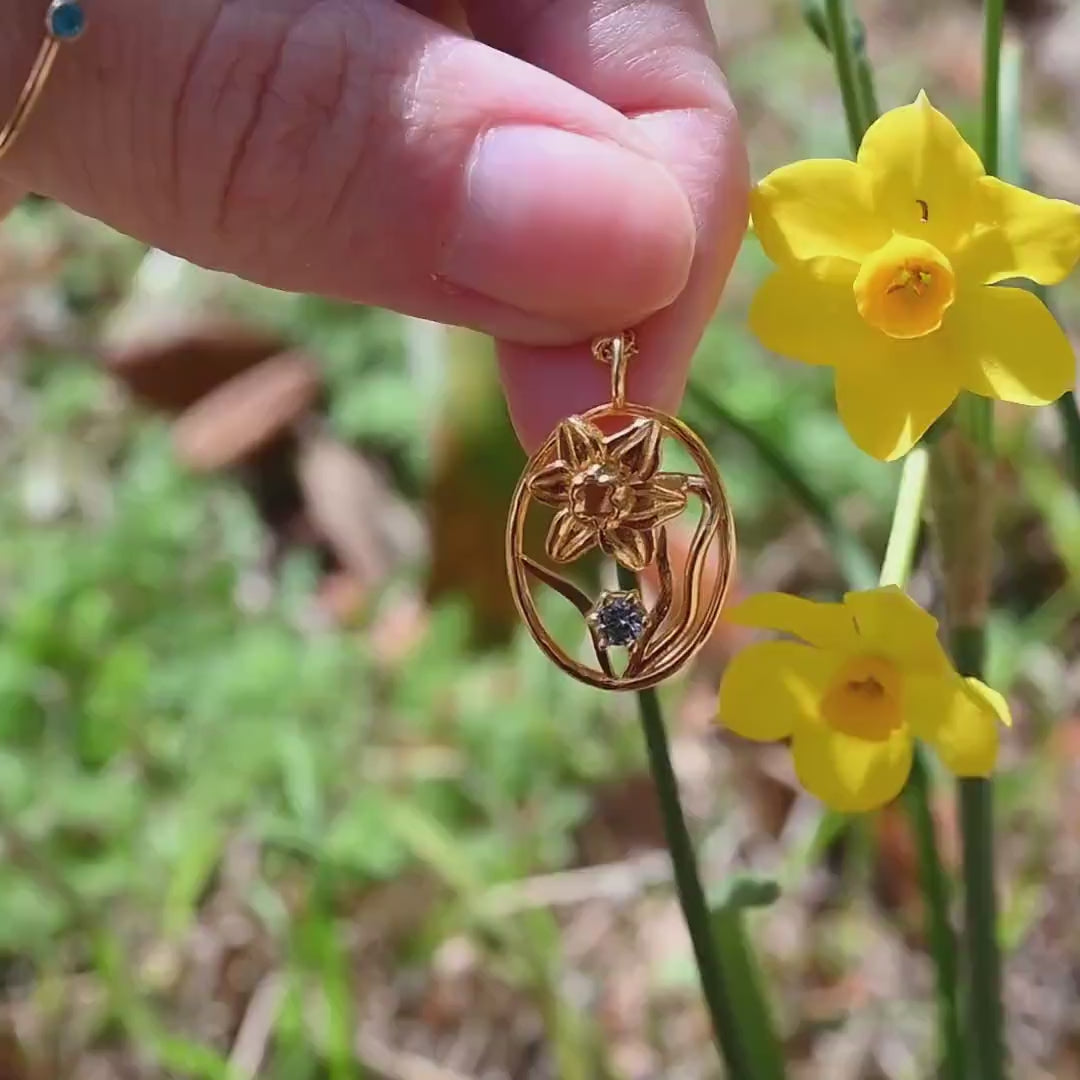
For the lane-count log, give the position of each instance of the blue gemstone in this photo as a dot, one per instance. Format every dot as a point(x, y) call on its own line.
point(66, 19)
point(620, 619)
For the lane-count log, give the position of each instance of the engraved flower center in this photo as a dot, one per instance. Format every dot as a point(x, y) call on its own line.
point(600, 495)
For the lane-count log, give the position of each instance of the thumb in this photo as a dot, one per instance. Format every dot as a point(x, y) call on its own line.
point(355, 149)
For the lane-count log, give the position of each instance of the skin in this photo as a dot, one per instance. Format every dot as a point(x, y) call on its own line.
point(568, 168)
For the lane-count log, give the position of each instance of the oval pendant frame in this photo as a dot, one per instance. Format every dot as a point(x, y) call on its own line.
point(667, 646)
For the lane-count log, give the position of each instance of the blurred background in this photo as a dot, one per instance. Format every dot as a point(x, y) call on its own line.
point(286, 791)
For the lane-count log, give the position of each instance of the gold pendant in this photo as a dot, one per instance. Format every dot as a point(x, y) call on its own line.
point(607, 491)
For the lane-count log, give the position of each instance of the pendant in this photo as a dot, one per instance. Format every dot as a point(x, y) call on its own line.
point(601, 475)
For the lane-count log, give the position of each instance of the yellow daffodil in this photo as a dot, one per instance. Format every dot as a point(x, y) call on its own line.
point(883, 268)
point(867, 677)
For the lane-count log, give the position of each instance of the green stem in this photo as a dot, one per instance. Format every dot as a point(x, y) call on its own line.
point(969, 649)
point(994, 12)
point(840, 45)
point(907, 519)
point(760, 1046)
point(985, 1019)
point(850, 553)
point(864, 75)
point(939, 929)
point(1010, 157)
point(975, 415)
point(1070, 422)
point(895, 570)
point(718, 994)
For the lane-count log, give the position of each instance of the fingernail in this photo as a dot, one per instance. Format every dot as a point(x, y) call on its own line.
point(570, 227)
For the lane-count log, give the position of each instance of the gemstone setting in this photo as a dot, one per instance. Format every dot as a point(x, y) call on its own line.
point(618, 619)
point(65, 20)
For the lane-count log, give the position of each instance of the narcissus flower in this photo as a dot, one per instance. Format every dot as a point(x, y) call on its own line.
point(884, 267)
point(866, 678)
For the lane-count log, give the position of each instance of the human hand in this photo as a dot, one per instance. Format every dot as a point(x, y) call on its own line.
point(576, 169)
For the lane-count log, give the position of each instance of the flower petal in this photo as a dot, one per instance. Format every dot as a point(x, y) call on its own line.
point(994, 701)
point(922, 174)
point(817, 207)
point(807, 312)
point(551, 485)
point(771, 689)
point(892, 625)
point(578, 442)
point(849, 774)
point(631, 547)
point(1009, 345)
point(889, 396)
point(1021, 235)
point(658, 501)
point(569, 537)
point(958, 719)
point(637, 447)
point(827, 626)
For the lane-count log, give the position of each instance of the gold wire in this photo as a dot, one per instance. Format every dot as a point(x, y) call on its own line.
point(31, 91)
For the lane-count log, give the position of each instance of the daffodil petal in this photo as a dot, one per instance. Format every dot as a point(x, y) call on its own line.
point(636, 448)
point(891, 624)
point(569, 538)
point(827, 626)
point(1021, 235)
point(631, 547)
point(656, 501)
point(773, 688)
point(888, 396)
point(992, 699)
point(578, 442)
point(1009, 346)
point(849, 774)
point(551, 485)
point(960, 721)
point(807, 312)
point(813, 208)
point(922, 173)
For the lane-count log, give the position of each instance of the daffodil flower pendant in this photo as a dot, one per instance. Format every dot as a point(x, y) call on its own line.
point(606, 488)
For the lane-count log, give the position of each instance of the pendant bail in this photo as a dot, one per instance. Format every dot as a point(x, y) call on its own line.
point(616, 350)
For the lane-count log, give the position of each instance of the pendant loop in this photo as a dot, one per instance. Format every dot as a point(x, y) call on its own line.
point(607, 491)
point(616, 351)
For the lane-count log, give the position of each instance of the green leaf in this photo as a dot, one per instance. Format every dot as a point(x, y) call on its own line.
point(813, 11)
point(189, 873)
point(756, 1034)
point(742, 891)
point(358, 840)
point(300, 777)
